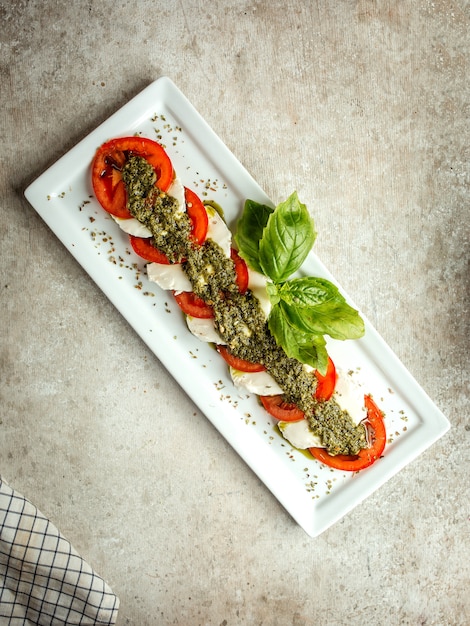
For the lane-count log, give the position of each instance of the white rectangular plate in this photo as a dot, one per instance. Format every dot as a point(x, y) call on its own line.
point(314, 495)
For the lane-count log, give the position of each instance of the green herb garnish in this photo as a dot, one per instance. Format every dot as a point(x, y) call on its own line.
point(276, 242)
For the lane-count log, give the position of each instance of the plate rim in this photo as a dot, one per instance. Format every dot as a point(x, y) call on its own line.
point(317, 519)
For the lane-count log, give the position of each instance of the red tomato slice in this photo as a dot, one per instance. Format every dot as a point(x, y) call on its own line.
point(286, 412)
point(326, 384)
point(198, 215)
point(237, 363)
point(144, 249)
point(366, 457)
point(194, 306)
point(241, 270)
point(109, 159)
point(281, 410)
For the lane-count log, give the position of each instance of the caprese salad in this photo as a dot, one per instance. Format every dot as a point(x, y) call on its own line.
point(240, 293)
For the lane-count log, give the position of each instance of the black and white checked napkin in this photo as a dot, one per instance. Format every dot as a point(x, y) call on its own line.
point(43, 580)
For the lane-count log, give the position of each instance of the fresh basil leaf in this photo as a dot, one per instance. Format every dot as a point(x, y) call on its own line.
point(322, 354)
point(313, 352)
point(273, 293)
point(276, 242)
point(315, 305)
point(309, 291)
point(340, 322)
point(287, 239)
point(250, 230)
point(306, 347)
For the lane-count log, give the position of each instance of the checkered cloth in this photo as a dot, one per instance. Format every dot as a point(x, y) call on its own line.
point(43, 581)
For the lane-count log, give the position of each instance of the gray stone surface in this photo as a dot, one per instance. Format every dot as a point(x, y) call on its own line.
point(362, 107)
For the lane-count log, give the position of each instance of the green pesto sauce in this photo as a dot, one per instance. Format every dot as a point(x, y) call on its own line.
point(156, 210)
point(239, 319)
point(338, 432)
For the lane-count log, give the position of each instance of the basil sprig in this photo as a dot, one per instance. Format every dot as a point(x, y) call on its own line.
point(276, 242)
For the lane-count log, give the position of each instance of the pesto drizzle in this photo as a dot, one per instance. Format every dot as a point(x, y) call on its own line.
point(238, 318)
point(156, 210)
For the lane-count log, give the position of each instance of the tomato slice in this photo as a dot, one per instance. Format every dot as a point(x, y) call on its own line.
point(287, 412)
point(366, 457)
point(237, 363)
point(281, 410)
point(198, 215)
point(241, 270)
point(106, 168)
point(144, 249)
point(194, 306)
point(326, 384)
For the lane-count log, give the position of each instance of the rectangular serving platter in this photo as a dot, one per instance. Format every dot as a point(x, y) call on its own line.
point(314, 495)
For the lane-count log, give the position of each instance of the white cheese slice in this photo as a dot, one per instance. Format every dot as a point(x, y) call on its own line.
point(169, 277)
point(204, 329)
point(349, 396)
point(218, 231)
point(257, 284)
point(261, 383)
point(131, 226)
point(299, 434)
point(176, 190)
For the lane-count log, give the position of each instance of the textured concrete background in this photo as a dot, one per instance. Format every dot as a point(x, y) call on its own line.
point(363, 107)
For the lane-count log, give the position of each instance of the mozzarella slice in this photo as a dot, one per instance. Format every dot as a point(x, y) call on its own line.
point(176, 190)
point(218, 231)
point(261, 383)
point(204, 329)
point(299, 434)
point(349, 396)
point(257, 284)
point(169, 277)
point(131, 226)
